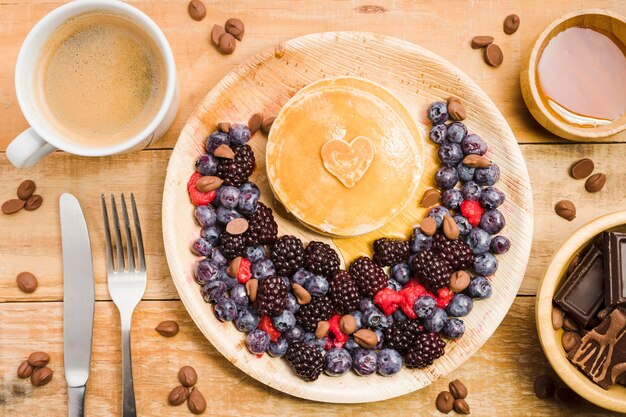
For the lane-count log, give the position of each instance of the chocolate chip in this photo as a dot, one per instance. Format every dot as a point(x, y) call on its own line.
point(444, 402)
point(493, 55)
point(582, 168)
point(33, 203)
point(347, 324)
point(25, 370)
point(167, 328)
point(511, 24)
point(41, 376)
point(570, 341)
point(252, 287)
point(450, 228)
point(12, 206)
point(237, 226)
point(38, 359)
point(477, 161)
point(459, 281)
point(431, 197)
point(365, 338)
point(235, 27)
point(255, 122)
point(267, 124)
point(26, 282)
point(178, 395)
point(481, 41)
point(595, 182)
point(227, 44)
point(456, 110)
point(26, 190)
point(187, 376)
point(461, 406)
point(557, 318)
point(544, 387)
point(196, 10)
point(321, 329)
point(224, 151)
point(216, 32)
point(196, 402)
point(565, 209)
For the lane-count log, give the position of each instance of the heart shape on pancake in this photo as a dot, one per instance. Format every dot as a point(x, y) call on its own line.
point(348, 162)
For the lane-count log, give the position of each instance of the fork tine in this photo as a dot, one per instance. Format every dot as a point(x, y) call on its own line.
point(129, 240)
point(141, 258)
point(118, 237)
point(107, 236)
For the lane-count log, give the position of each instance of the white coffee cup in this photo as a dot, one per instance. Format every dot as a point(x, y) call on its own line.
point(42, 138)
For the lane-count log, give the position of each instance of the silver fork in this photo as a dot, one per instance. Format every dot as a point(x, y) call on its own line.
point(127, 283)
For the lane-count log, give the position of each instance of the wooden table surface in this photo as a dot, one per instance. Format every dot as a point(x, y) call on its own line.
point(499, 376)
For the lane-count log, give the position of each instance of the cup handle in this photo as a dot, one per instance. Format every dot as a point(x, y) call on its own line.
point(28, 148)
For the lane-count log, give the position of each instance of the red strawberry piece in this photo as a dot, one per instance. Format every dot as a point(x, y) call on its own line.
point(244, 274)
point(444, 296)
point(472, 211)
point(335, 337)
point(199, 198)
point(388, 300)
point(268, 327)
point(409, 294)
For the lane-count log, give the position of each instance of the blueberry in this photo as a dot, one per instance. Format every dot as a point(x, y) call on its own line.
point(438, 213)
point(471, 191)
point(401, 272)
point(398, 315)
point(419, 241)
point(452, 199)
point(201, 247)
point(206, 165)
point(500, 245)
point(460, 305)
point(465, 173)
point(464, 225)
point(213, 291)
point(296, 333)
point(358, 318)
point(217, 257)
point(262, 269)
point(491, 198)
point(437, 112)
point(239, 295)
point(393, 284)
point(248, 198)
point(247, 320)
point(211, 234)
point(239, 134)
point(351, 346)
point(286, 281)
point(485, 264)
point(206, 271)
point(206, 216)
point(435, 322)
point(450, 154)
point(487, 176)
point(364, 362)
point(373, 317)
point(311, 340)
point(446, 177)
point(437, 133)
point(257, 341)
point(255, 253)
point(225, 215)
point(389, 362)
point(278, 348)
point(492, 221)
point(225, 309)
point(292, 303)
point(456, 132)
point(337, 362)
point(380, 337)
point(479, 287)
point(284, 321)
point(478, 240)
point(228, 196)
point(227, 279)
point(302, 277)
point(425, 306)
point(453, 328)
point(366, 304)
point(317, 286)
point(216, 139)
point(474, 145)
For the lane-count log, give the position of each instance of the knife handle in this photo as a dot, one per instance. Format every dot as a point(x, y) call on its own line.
point(76, 401)
point(128, 390)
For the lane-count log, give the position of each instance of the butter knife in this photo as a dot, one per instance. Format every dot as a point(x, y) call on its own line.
point(78, 301)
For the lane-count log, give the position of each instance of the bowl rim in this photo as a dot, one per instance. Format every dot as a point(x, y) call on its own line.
point(531, 95)
point(552, 348)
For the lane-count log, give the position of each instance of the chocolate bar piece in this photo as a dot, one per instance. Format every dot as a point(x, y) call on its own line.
point(602, 353)
point(615, 268)
point(582, 294)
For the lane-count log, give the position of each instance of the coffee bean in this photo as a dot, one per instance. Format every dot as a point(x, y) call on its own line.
point(570, 341)
point(444, 402)
point(450, 228)
point(481, 41)
point(557, 318)
point(565, 209)
point(595, 182)
point(456, 110)
point(570, 325)
point(167, 328)
point(33, 203)
point(582, 168)
point(321, 329)
point(544, 387)
point(494, 55)
point(25, 370)
point(12, 206)
point(26, 190)
point(431, 197)
point(196, 10)
point(216, 32)
point(459, 281)
point(187, 376)
point(26, 282)
point(566, 395)
point(458, 389)
point(573, 264)
point(511, 24)
point(235, 27)
point(227, 44)
point(461, 406)
point(428, 226)
point(41, 376)
point(178, 395)
point(267, 124)
point(196, 402)
point(38, 359)
point(255, 122)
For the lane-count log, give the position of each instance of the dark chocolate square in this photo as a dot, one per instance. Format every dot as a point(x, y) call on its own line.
point(615, 268)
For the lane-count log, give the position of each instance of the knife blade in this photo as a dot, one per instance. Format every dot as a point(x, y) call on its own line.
point(78, 298)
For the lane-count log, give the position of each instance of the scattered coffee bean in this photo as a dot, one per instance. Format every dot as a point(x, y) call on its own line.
point(582, 168)
point(428, 226)
point(235, 27)
point(573, 264)
point(187, 376)
point(347, 324)
point(565, 209)
point(25, 370)
point(252, 287)
point(26, 190)
point(544, 387)
point(450, 228)
point(365, 338)
point(27, 282)
point(216, 33)
point(511, 24)
point(456, 109)
point(461, 406)
point(255, 122)
point(224, 127)
point(459, 281)
point(570, 341)
point(444, 402)
point(431, 197)
point(41, 376)
point(33, 203)
point(12, 206)
point(237, 226)
point(38, 359)
point(267, 124)
point(196, 402)
point(566, 395)
point(494, 55)
point(224, 151)
point(322, 329)
point(196, 10)
point(208, 183)
point(178, 395)
point(458, 389)
point(557, 317)
point(595, 182)
point(227, 44)
point(570, 325)
point(302, 295)
point(167, 328)
point(481, 41)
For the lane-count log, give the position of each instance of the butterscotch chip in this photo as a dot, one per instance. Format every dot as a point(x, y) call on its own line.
point(322, 329)
point(255, 122)
point(216, 33)
point(477, 161)
point(233, 268)
point(428, 226)
point(431, 197)
point(494, 55)
point(224, 126)
point(208, 183)
point(252, 288)
point(237, 226)
point(224, 151)
point(267, 124)
point(481, 41)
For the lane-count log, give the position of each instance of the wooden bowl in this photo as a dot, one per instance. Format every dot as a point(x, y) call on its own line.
point(417, 77)
point(615, 397)
point(604, 20)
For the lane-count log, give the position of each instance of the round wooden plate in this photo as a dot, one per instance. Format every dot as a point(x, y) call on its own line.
point(418, 77)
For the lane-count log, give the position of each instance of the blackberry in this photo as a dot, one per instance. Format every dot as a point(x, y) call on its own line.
point(320, 308)
point(262, 228)
point(388, 252)
point(237, 171)
point(432, 269)
point(271, 298)
point(344, 293)
point(369, 277)
point(232, 246)
point(288, 255)
point(321, 259)
point(402, 335)
point(426, 349)
point(306, 361)
point(458, 253)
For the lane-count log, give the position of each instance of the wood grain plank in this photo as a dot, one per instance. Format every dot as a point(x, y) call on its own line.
point(499, 377)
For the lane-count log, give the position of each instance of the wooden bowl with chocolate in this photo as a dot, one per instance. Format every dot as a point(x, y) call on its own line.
point(581, 312)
